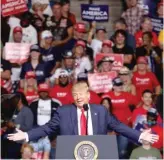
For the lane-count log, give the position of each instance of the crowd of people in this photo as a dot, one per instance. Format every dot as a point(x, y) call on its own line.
point(62, 52)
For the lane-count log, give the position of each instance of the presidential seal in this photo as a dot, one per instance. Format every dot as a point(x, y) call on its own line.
point(86, 150)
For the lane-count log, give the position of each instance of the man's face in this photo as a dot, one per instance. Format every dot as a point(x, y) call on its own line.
point(63, 80)
point(119, 26)
point(141, 66)
point(17, 37)
point(146, 40)
point(101, 35)
point(66, 7)
point(120, 39)
point(118, 88)
point(160, 11)
point(147, 25)
point(79, 35)
point(80, 97)
point(43, 95)
point(56, 9)
point(132, 3)
point(69, 62)
point(147, 99)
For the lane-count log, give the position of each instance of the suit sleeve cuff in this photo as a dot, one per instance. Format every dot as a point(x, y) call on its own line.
point(26, 137)
point(140, 138)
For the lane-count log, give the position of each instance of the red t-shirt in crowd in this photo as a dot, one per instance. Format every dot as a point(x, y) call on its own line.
point(139, 41)
point(159, 131)
point(94, 98)
point(30, 95)
point(63, 94)
point(142, 112)
point(120, 106)
point(143, 82)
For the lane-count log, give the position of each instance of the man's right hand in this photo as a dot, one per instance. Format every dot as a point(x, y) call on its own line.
point(17, 136)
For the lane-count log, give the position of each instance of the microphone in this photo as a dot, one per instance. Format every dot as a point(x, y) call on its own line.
point(86, 108)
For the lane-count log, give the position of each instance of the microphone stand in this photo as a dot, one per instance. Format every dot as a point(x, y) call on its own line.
point(85, 106)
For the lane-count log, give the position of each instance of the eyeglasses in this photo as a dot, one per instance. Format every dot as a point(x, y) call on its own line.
point(63, 76)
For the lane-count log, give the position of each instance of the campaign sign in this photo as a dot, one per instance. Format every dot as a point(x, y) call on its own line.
point(101, 82)
point(17, 52)
point(118, 60)
point(157, 24)
point(11, 7)
point(90, 12)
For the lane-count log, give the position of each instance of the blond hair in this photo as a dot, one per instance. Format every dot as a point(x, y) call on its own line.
point(26, 87)
point(26, 145)
point(80, 86)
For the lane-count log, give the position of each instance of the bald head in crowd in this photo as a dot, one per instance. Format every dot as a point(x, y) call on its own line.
point(80, 93)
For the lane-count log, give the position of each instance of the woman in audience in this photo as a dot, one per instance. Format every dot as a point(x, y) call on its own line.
point(50, 55)
point(146, 26)
point(153, 54)
point(126, 77)
point(30, 87)
point(35, 64)
point(144, 79)
point(66, 11)
point(106, 102)
point(105, 64)
point(121, 47)
point(82, 62)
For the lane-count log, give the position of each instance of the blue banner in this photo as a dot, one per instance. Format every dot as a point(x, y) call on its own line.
point(90, 12)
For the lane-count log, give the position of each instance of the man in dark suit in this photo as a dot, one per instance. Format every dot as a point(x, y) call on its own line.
point(71, 120)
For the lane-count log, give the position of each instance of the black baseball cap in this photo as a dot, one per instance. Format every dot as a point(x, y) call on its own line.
point(35, 47)
point(117, 81)
point(67, 54)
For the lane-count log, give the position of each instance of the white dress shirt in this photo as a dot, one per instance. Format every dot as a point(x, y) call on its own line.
point(90, 127)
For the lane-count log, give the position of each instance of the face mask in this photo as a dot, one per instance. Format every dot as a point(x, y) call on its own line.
point(151, 123)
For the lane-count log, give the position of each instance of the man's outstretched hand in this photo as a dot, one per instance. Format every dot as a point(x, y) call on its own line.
point(148, 136)
point(17, 136)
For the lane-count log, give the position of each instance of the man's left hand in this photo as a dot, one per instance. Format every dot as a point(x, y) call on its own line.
point(146, 135)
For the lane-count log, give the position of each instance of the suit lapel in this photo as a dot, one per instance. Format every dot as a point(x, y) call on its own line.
point(74, 119)
point(94, 115)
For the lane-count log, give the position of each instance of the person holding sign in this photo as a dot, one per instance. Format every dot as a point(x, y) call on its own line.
point(105, 64)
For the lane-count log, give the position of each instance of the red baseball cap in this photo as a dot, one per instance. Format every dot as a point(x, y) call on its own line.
point(43, 87)
point(108, 43)
point(81, 43)
point(17, 29)
point(160, 4)
point(30, 74)
point(80, 27)
point(142, 60)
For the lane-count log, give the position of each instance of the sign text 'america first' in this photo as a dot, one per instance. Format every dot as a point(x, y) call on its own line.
point(94, 12)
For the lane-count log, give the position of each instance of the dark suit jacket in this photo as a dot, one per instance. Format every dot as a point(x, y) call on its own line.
point(64, 122)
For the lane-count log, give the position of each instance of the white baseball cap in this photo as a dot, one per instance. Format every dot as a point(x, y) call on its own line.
point(46, 34)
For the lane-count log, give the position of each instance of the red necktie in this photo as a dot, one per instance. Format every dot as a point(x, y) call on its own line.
point(83, 123)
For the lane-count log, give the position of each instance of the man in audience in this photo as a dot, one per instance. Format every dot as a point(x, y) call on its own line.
point(144, 79)
point(62, 91)
point(133, 17)
point(43, 108)
point(121, 24)
point(60, 26)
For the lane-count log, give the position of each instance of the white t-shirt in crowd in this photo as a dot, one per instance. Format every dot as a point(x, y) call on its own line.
point(96, 45)
point(44, 111)
point(82, 64)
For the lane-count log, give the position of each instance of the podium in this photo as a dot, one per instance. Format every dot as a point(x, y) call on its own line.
point(86, 147)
